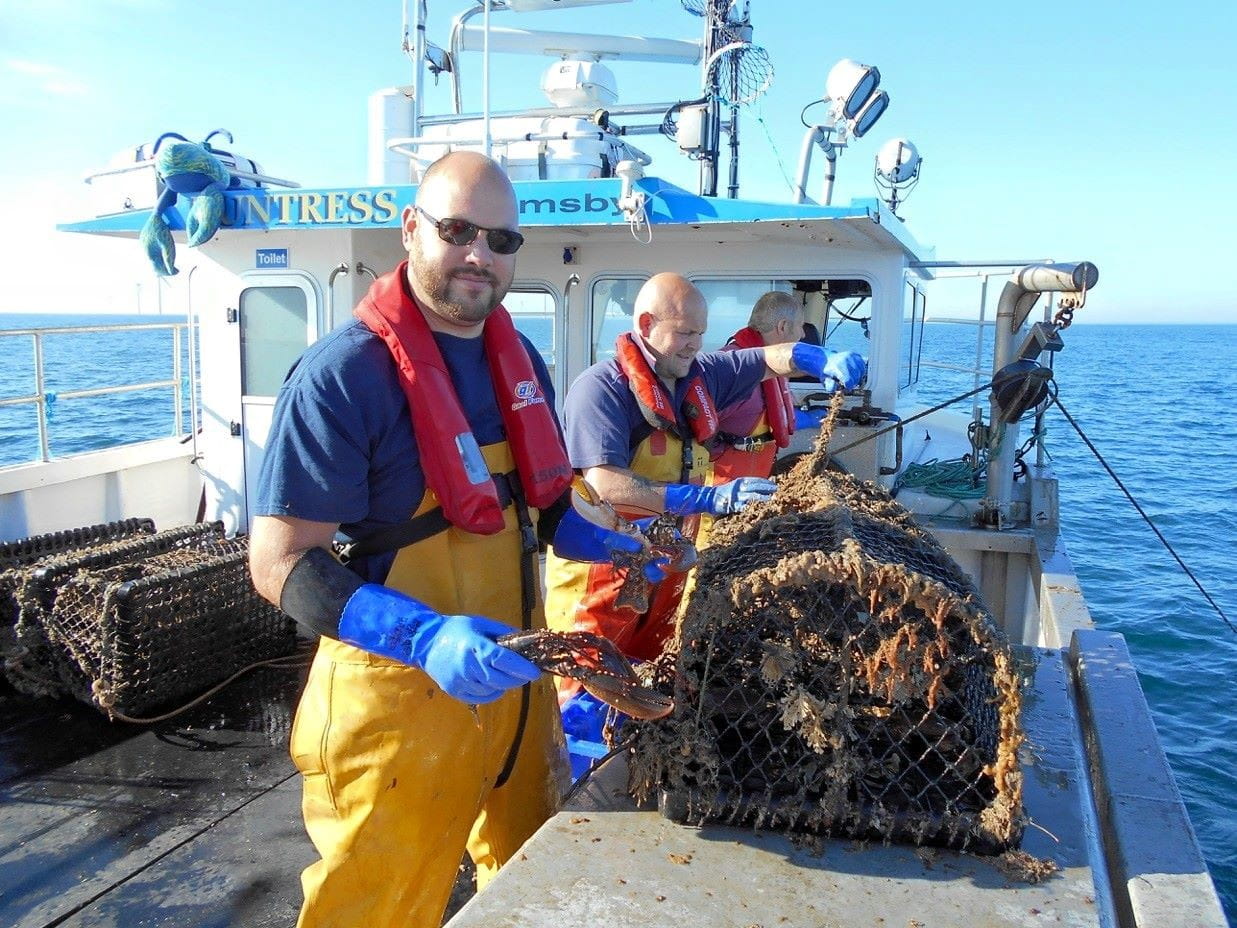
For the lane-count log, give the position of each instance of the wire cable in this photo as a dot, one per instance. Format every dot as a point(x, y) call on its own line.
point(1146, 518)
point(910, 419)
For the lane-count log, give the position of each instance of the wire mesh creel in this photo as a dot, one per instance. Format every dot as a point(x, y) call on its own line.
point(835, 673)
point(138, 623)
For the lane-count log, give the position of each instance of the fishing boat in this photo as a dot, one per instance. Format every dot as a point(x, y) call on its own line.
point(195, 820)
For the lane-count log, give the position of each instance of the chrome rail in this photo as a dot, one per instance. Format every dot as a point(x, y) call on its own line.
point(42, 397)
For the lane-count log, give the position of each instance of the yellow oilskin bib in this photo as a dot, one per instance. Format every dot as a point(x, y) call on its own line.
point(399, 778)
point(582, 596)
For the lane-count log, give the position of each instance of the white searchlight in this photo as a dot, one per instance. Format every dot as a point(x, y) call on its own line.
point(897, 171)
point(855, 104)
point(866, 118)
point(849, 86)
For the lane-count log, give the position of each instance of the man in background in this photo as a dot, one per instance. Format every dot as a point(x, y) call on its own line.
point(639, 429)
point(752, 430)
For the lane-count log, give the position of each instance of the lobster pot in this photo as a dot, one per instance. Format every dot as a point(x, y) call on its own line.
point(16, 555)
point(835, 673)
point(143, 623)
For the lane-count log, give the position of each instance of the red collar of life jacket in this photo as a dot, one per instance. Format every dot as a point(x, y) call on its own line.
point(779, 404)
point(449, 453)
point(654, 399)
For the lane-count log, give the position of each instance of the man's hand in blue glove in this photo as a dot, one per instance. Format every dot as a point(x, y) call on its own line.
point(577, 539)
point(685, 499)
point(832, 368)
point(457, 651)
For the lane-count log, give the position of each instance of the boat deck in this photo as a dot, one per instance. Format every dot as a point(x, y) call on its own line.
point(192, 821)
point(196, 821)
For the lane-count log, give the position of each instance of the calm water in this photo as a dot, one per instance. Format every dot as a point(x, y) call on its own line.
point(88, 361)
point(1155, 400)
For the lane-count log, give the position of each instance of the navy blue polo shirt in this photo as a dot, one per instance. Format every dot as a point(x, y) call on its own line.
point(603, 420)
point(341, 446)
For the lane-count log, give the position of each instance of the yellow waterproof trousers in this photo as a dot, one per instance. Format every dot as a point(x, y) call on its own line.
point(399, 778)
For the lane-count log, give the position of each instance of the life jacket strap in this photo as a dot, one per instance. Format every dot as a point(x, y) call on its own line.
point(418, 528)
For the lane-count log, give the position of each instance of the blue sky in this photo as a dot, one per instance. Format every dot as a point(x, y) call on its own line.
point(1105, 131)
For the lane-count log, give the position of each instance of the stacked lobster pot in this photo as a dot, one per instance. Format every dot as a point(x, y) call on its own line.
point(129, 619)
point(835, 673)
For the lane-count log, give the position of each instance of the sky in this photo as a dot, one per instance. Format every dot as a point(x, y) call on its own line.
point(1102, 131)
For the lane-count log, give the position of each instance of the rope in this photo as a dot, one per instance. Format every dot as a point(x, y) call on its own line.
point(1146, 518)
point(954, 479)
point(299, 659)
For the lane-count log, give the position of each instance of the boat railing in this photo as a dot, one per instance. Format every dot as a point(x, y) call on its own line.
point(42, 397)
point(983, 322)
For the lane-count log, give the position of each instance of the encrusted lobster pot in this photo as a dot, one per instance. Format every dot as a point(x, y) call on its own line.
point(143, 622)
point(835, 673)
point(15, 555)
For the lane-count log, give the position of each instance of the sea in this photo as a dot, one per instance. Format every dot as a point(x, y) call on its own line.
point(1155, 401)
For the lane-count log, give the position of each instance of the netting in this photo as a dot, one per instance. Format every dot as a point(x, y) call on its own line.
point(15, 555)
point(836, 673)
point(739, 73)
point(132, 624)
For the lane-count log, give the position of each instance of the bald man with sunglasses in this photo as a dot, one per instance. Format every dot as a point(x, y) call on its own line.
point(418, 443)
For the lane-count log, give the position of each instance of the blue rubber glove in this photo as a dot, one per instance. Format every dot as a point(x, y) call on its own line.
point(578, 539)
point(457, 651)
point(832, 368)
point(684, 499)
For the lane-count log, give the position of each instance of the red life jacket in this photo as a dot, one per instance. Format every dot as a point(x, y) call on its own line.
point(469, 501)
point(654, 399)
point(779, 404)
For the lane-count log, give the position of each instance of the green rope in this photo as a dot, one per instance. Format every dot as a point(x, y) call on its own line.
point(947, 479)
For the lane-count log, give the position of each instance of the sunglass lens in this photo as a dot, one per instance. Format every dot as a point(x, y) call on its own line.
point(457, 231)
point(504, 241)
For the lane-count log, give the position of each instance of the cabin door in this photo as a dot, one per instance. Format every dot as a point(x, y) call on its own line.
point(278, 317)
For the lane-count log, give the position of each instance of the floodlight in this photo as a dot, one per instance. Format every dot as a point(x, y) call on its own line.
point(866, 118)
point(850, 85)
point(898, 161)
point(897, 171)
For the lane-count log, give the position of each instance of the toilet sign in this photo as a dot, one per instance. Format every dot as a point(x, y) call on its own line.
point(267, 258)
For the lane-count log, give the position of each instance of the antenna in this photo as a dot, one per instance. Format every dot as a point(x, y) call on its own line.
point(736, 73)
point(897, 171)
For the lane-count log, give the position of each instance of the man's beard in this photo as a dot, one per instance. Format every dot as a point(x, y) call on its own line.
point(437, 286)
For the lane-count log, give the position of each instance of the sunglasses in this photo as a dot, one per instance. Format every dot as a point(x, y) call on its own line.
point(462, 232)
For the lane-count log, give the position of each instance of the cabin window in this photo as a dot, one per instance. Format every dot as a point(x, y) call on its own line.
point(915, 308)
point(613, 300)
point(534, 313)
point(839, 310)
point(730, 305)
point(273, 331)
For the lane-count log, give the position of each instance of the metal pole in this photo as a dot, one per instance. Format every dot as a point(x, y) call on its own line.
point(177, 392)
point(733, 190)
point(485, 82)
point(44, 447)
point(418, 70)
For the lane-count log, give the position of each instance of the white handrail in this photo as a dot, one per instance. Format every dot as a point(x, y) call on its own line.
point(40, 397)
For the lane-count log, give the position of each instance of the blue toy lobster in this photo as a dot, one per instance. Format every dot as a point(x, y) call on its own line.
point(193, 170)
